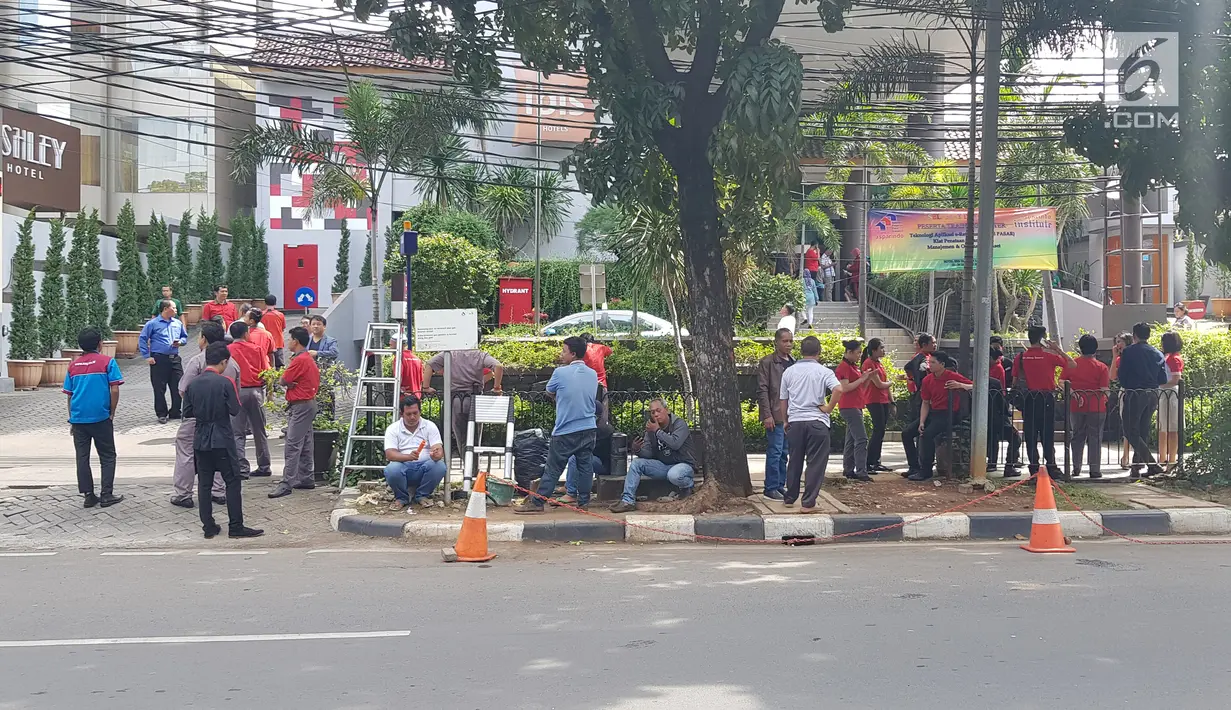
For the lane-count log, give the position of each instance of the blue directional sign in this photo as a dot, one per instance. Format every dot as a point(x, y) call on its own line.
point(305, 297)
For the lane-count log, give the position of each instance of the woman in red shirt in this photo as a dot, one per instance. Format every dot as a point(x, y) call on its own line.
point(850, 406)
point(878, 398)
point(1088, 382)
point(1169, 401)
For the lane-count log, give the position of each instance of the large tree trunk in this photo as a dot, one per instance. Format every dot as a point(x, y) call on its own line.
point(712, 331)
point(690, 404)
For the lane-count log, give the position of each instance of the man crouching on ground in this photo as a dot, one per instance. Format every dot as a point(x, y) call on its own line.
point(665, 453)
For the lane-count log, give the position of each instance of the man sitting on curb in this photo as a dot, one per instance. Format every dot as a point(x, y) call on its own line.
point(664, 453)
point(415, 452)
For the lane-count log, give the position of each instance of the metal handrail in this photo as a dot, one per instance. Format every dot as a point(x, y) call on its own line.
point(913, 319)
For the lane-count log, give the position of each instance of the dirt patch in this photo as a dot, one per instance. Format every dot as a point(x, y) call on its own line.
point(708, 500)
point(897, 495)
point(1213, 494)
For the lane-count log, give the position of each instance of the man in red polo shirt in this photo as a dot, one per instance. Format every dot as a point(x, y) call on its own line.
point(220, 307)
point(303, 380)
point(275, 323)
point(1034, 373)
point(937, 392)
point(257, 335)
point(1088, 380)
point(252, 360)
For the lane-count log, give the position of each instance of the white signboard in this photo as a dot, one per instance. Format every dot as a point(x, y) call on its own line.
point(446, 329)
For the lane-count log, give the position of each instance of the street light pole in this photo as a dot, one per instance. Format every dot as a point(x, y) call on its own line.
point(538, 164)
point(987, 235)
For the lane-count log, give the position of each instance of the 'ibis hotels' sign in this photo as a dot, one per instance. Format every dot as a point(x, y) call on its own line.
point(40, 160)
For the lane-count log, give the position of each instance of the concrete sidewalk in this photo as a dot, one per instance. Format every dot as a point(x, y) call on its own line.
point(52, 517)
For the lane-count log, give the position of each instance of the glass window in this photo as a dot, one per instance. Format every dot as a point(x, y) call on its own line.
point(162, 155)
point(43, 22)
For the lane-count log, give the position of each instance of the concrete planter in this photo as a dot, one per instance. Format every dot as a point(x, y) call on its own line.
point(71, 353)
point(1220, 308)
point(192, 314)
point(108, 348)
point(54, 370)
point(126, 342)
point(27, 374)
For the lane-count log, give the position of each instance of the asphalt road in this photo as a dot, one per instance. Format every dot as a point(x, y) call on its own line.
point(685, 626)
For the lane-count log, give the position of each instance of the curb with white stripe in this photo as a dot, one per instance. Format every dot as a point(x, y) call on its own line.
point(918, 526)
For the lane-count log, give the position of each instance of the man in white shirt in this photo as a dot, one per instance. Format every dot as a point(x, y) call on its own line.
point(415, 452)
point(805, 387)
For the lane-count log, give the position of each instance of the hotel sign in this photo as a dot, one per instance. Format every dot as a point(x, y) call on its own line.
point(552, 109)
point(40, 160)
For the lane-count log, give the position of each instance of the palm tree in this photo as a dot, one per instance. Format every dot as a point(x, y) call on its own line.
point(508, 201)
point(384, 135)
point(442, 173)
point(888, 68)
point(859, 147)
point(648, 243)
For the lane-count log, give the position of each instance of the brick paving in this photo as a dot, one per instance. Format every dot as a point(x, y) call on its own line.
point(52, 518)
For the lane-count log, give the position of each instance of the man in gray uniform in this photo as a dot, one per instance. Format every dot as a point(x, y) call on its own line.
point(185, 468)
point(468, 379)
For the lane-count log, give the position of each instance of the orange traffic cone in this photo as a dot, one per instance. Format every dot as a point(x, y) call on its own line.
point(1045, 532)
point(471, 543)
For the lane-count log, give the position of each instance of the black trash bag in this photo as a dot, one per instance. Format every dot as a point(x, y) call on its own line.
point(529, 456)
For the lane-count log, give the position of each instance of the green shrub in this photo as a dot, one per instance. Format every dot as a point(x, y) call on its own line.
point(51, 293)
point(1208, 434)
point(365, 271)
point(341, 269)
point(257, 261)
point(429, 219)
point(450, 272)
point(237, 273)
point(132, 291)
point(158, 256)
point(86, 299)
point(560, 288)
point(182, 282)
point(23, 338)
point(1207, 356)
point(210, 270)
point(766, 295)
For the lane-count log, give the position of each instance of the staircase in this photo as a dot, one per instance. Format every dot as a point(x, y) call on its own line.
point(844, 316)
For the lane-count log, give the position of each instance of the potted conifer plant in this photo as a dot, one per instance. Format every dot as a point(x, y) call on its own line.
point(51, 309)
point(132, 290)
point(25, 367)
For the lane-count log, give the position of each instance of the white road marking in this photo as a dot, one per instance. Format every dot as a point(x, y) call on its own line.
point(145, 553)
point(148, 640)
point(28, 554)
point(220, 553)
point(324, 551)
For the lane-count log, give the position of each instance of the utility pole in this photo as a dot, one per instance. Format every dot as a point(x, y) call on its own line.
point(538, 165)
point(984, 247)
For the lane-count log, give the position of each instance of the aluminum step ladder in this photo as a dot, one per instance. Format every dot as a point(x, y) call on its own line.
point(376, 399)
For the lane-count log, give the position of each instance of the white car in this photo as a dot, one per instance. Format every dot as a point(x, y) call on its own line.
point(612, 324)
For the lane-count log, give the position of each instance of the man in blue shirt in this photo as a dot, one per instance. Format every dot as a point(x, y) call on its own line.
point(159, 344)
point(93, 388)
point(573, 386)
point(1141, 372)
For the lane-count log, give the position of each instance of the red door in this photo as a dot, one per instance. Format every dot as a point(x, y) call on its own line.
point(299, 276)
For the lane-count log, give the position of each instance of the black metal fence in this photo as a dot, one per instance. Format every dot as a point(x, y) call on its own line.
point(1167, 422)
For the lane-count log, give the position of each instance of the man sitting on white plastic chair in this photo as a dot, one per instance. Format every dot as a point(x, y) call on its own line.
point(664, 454)
point(415, 451)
